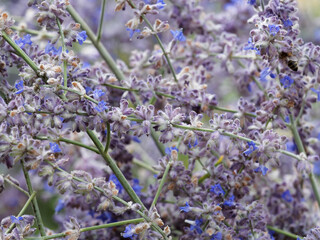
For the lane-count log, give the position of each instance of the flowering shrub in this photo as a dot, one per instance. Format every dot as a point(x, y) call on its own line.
point(200, 123)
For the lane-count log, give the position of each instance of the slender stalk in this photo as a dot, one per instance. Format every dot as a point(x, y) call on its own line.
point(6, 179)
point(163, 180)
point(80, 144)
point(159, 42)
point(144, 165)
point(86, 229)
point(160, 146)
point(112, 164)
point(262, 4)
point(21, 53)
point(22, 211)
point(65, 79)
point(103, 6)
point(288, 234)
point(301, 149)
point(101, 49)
point(34, 201)
point(108, 139)
point(153, 225)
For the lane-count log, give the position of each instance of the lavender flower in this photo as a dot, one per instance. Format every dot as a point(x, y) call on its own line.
point(81, 37)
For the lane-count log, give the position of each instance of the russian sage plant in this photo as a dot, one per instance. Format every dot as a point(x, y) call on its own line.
point(158, 119)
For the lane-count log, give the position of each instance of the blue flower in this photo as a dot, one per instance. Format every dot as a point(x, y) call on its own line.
point(251, 149)
point(217, 189)
point(132, 32)
point(251, 2)
point(291, 146)
point(136, 139)
point(317, 92)
point(217, 236)
point(16, 220)
point(115, 180)
point(287, 196)
point(265, 73)
point(21, 42)
point(316, 168)
point(81, 37)
point(287, 23)
point(102, 106)
point(187, 208)
point(105, 217)
point(54, 147)
point(160, 4)
point(273, 29)
point(262, 169)
point(19, 86)
point(98, 93)
point(168, 150)
point(194, 145)
point(136, 187)
point(229, 202)
point(197, 226)
point(250, 46)
point(59, 206)
point(50, 48)
point(178, 35)
point(286, 81)
point(128, 232)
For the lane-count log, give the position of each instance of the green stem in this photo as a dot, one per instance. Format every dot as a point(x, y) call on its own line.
point(33, 32)
point(34, 201)
point(80, 144)
point(108, 138)
point(86, 229)
point(288, 234)
point(65, 79)
point(153, 225)
point(21, 53)
point(163, 180)
point(159, 42)
point(159, 145)
point(22, 211)
point(144, 165)
point(103, 6)
point(301, 149)
point(112, 164)
point(6, 179)
point(101, 49)
point(260, 87)
point(262, 4)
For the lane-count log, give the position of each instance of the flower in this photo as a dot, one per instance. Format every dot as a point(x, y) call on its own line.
point(19, 87)
point(115, 180)
point(251, 2)
point(168, 150)
point(21, 42)
point(317, 92)
point(105, 217)
point(262, 169)
point(132, 32)
point(81, 37)
point(160, 4)
point(54, 147)
point(217, 189)
point(286, 81)
point(273, 29)
point(136, 187)
point(102, 106)
point(217, 236)
point(128, 232)
point(229, 202)
point(287, 196)
point(265, 73)
point(251, 149)
point(50, 48)
point(16, 220)
point(197, 226)
point(97, 93)
point(316, 168)
point(250, 46)
point(59, 206)
point(287, 23)
point(178, 35)
point(187, 208)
